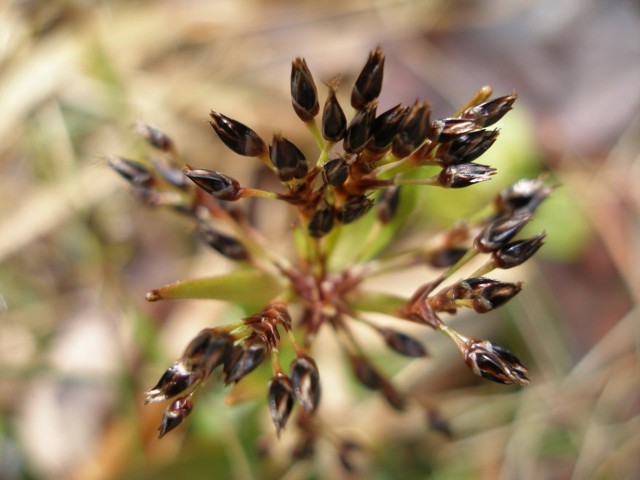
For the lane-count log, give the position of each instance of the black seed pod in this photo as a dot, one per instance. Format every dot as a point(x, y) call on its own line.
point(413, 131)
point(175, 414)
point(306, 382)
point(369, 82)
point(334, 122)
point(216, 184)
point(135, 173)
point(207, 351)
point(281, 398)
point(525, 194)
point(237, 136)
point(467, 147)
point(365, 373)
point(495, 363)
point(500, 231)
point(175, 380)
point(464, 175)
point(223, 244)
point(449, 129)
point(354, 208)
point(387, 204)
point(321, 222)
point(516, 253)
point(335, 172)
point(493, 296)
point(385, 127)
point(156, 137)
point(304, 95)
point(288, 160)
point(403, 343)
point(446, 257)
point(488, 113)
point(170, 173)
point(359, 130)
point(242, 361)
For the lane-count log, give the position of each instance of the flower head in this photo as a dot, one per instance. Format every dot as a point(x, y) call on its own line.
point(361, 168)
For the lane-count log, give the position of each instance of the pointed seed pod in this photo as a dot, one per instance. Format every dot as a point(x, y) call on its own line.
point(135, 173)
point(488, 113)
point(223, 244)
point(335, 172)
point(175, 414)
point(305, 379)
point(170, 173)
point(288, 160)
point(304, 95)
point(207, 351)
point(359, 130)
point(385, 127)
point(394, 398)
point(216, 184)
point(365, 373)
point(413, 131)
point(493, 296)
point(464, 175)
point(516, 253)
point(369, 83)
point(387, 204)
point(495, 363)
point(281, 398)
point(334, 122)
point(450, 129)
point(321, 222)
point(500, 231)
point(156, 137)
point(355, 207)
point(467, 147)
point(243, 360)
point(403, 343)
point(525, 194)
point(237, 136)
point(175, 380)
point(446, 257)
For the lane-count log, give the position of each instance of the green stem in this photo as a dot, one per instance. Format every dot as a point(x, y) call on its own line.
point(315, 133)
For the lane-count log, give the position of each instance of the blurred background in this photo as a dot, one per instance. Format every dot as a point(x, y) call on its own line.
point(79, 344)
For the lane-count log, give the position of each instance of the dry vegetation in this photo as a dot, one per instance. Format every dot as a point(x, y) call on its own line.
point(79, 345)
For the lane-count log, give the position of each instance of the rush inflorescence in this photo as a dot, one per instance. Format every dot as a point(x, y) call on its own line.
point(363, 168)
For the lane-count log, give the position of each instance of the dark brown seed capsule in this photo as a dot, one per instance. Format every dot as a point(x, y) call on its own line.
point(237, 136)
point(385, 127)
point(493, 296)
point(365, 373)
point(175, 380)
point(281, 398)
point(526, 194)
point(133, 172)
point(243, 361)
point(449, 129)
point(223, 244)
point(304, 95)
point(306, 382)
point(495, 363)
point(321, 222)
point(288, 160)
point(490, 112)
point(172, 174)
point(359, 130)
point(334, 122)
point(500, 231)
point(216, 184)
point(393, 397)
point(175, 414)
point(156, 137)
point(516, 253)
point(354, 208)
point(335, 172)
point(387, 204)
point(413, 131)
point(403, 343)
point(369, 82)
point(467, 147)
point(446, 257)
point(464, 175)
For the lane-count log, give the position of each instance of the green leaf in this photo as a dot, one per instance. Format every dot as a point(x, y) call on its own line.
point(245, 287)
